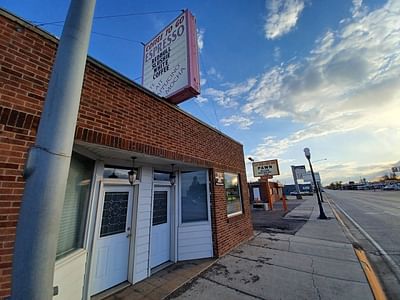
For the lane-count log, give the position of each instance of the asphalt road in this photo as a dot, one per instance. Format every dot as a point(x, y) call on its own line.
point(378, 213)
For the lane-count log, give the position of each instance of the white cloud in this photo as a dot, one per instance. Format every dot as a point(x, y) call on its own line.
point(200, 39)
point(231, 96)
point(349, 81)
point(282, 16)
point(200, 100)
point(241, 122)
point(357, 10)
point(221, 97)
point(277, 54)
point(214, 73)
point(347, 171)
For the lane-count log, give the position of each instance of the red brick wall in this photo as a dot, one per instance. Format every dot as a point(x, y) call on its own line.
point(113, 112)
point(228, 232)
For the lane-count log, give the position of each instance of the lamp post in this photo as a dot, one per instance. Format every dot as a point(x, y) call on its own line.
point(319, 182)
point(321, 209)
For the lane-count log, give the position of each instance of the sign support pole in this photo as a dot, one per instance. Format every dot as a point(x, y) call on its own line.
point(298, 194)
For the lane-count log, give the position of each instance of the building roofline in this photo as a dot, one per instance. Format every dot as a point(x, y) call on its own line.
point(47, 35)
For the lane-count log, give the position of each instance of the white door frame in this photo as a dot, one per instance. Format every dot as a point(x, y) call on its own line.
point(104, 187)
point(172, 220)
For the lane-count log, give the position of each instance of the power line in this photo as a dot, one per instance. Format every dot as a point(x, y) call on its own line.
point(212, 101)
point(116, 16)
point(116, 37)
point(104, 35)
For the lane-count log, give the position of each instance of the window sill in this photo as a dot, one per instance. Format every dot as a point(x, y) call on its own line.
point(235, 214)
point(192, 224)
point(232, 218)
point(73, 255)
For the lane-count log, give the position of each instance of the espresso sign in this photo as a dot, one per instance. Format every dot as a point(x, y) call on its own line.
point(170, 61)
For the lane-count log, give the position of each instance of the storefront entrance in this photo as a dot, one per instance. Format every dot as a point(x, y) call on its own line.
point(161, 227)
point(112, 238)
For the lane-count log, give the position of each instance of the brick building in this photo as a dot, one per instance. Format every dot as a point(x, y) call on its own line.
point(113, 232)
point(266, 194)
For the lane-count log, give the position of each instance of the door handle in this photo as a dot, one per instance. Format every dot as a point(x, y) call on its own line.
point(128, 232)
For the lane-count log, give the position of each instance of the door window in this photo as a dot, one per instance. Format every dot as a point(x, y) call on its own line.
point(114, 213)
point(160, 208)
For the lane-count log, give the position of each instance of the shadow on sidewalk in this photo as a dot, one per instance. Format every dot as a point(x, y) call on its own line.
point(273, 221)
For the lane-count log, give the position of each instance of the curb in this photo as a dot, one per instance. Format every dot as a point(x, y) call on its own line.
point(369, 272)
point(373, 280)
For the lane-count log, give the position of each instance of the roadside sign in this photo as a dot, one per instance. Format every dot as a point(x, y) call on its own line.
point(267, 167)
point(299, 171)
point(308, 177)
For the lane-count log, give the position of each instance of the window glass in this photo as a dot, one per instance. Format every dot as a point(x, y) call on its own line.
point(73, 219)
point(194, 196)
point(160, 175)
point(115, 208)
point(115, 172)
point(232, 191)
point(160, 207)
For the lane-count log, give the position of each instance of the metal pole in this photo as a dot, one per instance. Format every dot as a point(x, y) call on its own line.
point(47, 166)
point(298, 195)
point(321, 209)
point(269, 194)
point(320, 191)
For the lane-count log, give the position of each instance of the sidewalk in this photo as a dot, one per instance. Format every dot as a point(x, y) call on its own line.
point(318, 262)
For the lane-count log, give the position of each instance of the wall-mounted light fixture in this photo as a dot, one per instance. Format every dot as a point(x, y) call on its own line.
point(172, 177)
point(132, 174)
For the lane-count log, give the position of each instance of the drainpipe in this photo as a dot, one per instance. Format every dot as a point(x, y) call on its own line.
point(47, 166)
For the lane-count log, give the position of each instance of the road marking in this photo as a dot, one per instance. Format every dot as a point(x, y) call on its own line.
point(392, 265)
point(372, 278)
point(374, 283)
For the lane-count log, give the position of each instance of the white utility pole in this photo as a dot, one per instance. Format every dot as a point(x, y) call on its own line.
point(47, 167)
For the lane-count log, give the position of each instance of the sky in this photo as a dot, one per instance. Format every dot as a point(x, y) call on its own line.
point(276, 75)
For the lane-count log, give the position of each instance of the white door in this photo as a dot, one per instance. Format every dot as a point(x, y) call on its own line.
point(161, 227)
point(112, 238)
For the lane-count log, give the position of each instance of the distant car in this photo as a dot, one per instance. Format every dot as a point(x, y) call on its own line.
point(392, 187)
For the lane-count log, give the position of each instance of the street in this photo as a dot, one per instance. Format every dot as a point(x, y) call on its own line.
point(378, 214)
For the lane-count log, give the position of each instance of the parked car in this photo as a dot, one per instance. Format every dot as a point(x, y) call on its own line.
point(392, 187)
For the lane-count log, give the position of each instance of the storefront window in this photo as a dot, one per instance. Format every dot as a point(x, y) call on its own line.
point(194, 196)
point(161, 175)
point(73, 219)
point(232, 190)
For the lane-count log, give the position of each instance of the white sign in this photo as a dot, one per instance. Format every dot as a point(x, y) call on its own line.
point(268, 167)
point(256, 193)
point(170, 61)
point(299, 171)
point(308, 177)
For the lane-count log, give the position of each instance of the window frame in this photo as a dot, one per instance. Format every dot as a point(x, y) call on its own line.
point(81, 244)
point(208, 199)
point(236, 213)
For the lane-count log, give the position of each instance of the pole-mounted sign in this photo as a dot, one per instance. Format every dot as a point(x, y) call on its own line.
point(170, 61)
point(267, 167)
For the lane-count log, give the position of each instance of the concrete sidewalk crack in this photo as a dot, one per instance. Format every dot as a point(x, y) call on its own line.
point(293, 269)
point(305, 254)
point(313, 279)
point(235, 289)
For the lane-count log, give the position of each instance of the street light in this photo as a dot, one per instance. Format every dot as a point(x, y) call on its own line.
point(321, 209)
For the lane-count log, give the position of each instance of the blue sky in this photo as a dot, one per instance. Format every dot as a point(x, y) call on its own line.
point(277, 75)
